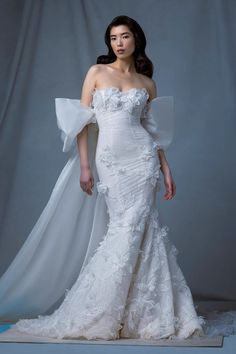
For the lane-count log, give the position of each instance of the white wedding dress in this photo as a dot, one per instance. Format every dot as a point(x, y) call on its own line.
point(126, 282)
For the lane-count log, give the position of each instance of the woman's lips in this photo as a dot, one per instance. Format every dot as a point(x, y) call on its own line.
point(120, 51)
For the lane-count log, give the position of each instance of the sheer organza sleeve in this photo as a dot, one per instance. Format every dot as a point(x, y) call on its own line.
point(72, 117)
point(158, 119)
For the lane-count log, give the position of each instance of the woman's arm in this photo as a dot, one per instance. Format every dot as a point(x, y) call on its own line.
point(86, 177)
point(168, 179)
point(165, 169)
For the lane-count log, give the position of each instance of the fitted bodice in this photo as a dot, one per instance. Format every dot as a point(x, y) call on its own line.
point(119, 109)
point(118, 114)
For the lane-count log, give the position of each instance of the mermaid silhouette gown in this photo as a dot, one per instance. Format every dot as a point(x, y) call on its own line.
point(130, 285)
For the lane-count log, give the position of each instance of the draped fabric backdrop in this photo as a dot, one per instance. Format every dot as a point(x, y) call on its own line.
point(47, 47)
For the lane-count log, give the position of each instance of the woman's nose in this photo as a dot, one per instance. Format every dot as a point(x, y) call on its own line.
point(119, 41)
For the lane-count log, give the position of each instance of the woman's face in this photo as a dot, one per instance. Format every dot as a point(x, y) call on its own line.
point(122, 41)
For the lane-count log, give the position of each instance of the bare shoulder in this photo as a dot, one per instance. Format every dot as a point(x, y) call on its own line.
point(94, 69)
point(96, 72)
point(89, 83)
point(150, 86)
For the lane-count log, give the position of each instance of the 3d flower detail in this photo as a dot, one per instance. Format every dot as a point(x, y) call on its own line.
point(121, 170)
point(147, 153)
point(129, 101)
point(137, 227)
point(108, 101)
point(155, 145)
point(107, 157)
point(102, 188)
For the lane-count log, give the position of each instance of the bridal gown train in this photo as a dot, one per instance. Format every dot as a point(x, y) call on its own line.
point(131, 285)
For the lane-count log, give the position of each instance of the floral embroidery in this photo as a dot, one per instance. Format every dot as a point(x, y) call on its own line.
point(149, 152)
point(102, 188)
point(121, 170)
point(107, 157)
point(112, 99)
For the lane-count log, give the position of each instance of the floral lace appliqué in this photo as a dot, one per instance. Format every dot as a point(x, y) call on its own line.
point(112, 99)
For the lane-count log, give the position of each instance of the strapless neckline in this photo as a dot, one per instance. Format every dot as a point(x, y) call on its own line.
point(115, 88)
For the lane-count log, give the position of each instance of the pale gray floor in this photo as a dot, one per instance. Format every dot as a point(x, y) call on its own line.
point(229, 344)
point(229, 347)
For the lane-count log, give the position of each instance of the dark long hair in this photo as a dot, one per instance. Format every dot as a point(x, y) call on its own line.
point(143, 64)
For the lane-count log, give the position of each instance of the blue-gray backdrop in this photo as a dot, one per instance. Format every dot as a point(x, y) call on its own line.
point(47, 46)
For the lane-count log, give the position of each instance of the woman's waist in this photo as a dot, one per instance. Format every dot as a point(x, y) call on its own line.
point(123, 129)
point(126, 146)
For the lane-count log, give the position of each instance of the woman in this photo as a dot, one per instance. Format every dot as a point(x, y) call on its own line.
point(130, 286)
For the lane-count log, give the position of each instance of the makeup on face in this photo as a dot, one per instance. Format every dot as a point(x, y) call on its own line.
point(122, 40)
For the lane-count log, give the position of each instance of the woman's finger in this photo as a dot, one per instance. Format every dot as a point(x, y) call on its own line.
point(169, 191)
point(84, 186)
point(92, 182)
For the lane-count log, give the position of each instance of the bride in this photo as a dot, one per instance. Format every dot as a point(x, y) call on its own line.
point(104, 247)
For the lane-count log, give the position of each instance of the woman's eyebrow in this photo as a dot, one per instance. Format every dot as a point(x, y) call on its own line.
point(113, 35)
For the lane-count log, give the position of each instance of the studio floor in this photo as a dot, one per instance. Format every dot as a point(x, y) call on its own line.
point(228, 346)
point(26, 348)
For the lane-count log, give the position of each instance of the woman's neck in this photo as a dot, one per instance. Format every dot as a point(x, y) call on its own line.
point(124, 65)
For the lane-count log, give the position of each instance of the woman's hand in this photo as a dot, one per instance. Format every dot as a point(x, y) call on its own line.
point(86, 180)
point(169, 185)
